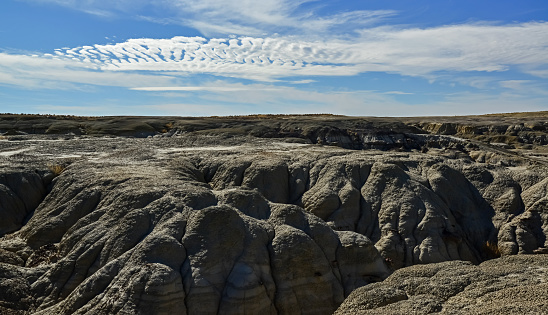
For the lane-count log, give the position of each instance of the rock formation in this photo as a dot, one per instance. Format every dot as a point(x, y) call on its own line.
point(499, 286)
point(126, 238)
point(216, 221)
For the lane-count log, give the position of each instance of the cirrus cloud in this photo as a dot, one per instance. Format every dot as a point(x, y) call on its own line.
point(241, 17)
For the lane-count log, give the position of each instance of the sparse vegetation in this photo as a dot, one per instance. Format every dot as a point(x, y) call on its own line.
point(491, 250)
point(167, 127)
point(56, 169)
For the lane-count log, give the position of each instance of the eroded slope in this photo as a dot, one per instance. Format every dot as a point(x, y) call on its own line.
point(196, 223)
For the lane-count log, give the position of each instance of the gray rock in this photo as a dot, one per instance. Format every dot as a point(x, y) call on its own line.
point(20, 194)
point(499, 286)
point(143, 240)
point(218, 221)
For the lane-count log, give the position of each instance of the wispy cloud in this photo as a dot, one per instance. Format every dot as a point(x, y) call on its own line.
point(240, 17)
point(204, 88)
point(514, 84)
point(44, 72)
point(470, 103)
point(161, 64)
point(526, 87)
point(398, 93)
point(541, 72)
point(295, 101)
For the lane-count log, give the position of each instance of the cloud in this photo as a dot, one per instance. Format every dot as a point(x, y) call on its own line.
point(468, 103)
point(203, 88)
point(526, 87)
point(514, 84)
point(193, 109)
point(398, 93)
point(266, 98)
point(237, 98)
point(290, 100)
point(264, 59)
point(412, 52)
point(279, 44)
point(45, 72)
point(81, 110)
point(468, 47)
point(241, 17)
point(541, 72)
point(302, 81)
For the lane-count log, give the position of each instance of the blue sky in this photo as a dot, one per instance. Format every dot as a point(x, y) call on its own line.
point(213, 57)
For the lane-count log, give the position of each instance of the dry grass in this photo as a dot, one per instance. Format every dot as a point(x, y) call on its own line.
point(491, 250)
point(56, 169)
point(168, 127)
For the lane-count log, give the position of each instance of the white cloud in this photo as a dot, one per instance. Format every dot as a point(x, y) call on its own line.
point(526, 87)
point(541, 73)
point(338, 44)
point(203, 88)
point(225, 98)
point(223, 17)
point(398, 93)
point(413, 52)
point(265, 98)
point(364, 102)
point(468, 103)
point(192, 109)
point(51, 73)
point(514, 84)
point(458, 47)
point(294, 101)
point(302, 81)
point(81, 110)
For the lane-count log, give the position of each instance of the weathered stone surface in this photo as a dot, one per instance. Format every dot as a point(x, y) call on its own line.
point(20, 194)
point(498, 286)
point(217, 221)
point(145, 240)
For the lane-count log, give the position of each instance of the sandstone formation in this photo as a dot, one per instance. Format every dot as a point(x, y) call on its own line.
point(242, 215)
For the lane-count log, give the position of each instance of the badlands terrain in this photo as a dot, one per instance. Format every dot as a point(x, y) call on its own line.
point(274, 214)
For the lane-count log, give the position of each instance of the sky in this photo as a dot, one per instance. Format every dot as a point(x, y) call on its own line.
point(238, 57)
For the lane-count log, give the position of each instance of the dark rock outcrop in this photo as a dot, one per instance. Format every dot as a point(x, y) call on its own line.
point(20, 194)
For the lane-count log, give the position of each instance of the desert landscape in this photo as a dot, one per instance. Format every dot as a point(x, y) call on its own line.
point(273, 157)
point(274, 214)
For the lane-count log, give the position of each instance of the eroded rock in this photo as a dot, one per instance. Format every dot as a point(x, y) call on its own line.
point(498, 286)
point(145, 240)
point(192, 222)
